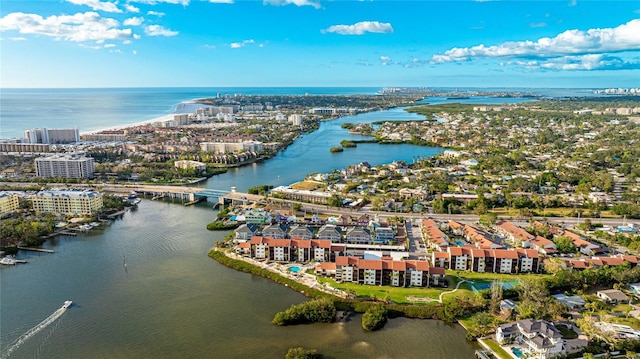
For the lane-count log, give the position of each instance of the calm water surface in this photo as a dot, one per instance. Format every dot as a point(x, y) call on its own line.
point(171, 300)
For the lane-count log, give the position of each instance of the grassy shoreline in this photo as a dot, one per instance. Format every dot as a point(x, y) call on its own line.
point(342, 304)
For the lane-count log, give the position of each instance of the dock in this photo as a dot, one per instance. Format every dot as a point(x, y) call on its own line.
point(43, 250)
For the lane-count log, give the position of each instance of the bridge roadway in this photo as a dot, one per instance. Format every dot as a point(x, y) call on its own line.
point(318, 208)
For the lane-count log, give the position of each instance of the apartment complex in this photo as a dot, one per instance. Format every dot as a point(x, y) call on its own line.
point(67, 202)
point(231, 147)
point(9, 203)
point(70, 165)
point(52, 136)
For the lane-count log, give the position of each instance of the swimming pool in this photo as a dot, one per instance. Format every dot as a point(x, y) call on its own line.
point(517, 352)
point(294, 269)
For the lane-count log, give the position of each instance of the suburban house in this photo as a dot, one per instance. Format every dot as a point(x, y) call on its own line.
point(571, 301)
point(612, 296)
point(537, 338)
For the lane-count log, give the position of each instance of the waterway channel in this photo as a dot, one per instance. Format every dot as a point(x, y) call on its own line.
point(143, 287)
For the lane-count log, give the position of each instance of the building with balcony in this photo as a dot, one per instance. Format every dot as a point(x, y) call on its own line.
point(67, 202)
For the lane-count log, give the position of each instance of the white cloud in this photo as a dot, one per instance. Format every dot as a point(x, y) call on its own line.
point(221, 1)
point(293, 2)
point(384, 60)
point(88, 26)
point(155, 13)
point(154, 2)
point(157, 30)
point(109, 45)
point(237, 45)
point(131, 8)
point(97, 5)
point(361, 28)
point(133, 21)
point(625, 37)
point(573, 2)
point(537, 24)
point(135, 52)
point(18, 38)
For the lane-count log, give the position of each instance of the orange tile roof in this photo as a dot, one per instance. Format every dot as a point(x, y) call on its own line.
point(505, 253)
point(515, 231)
point(440, 255)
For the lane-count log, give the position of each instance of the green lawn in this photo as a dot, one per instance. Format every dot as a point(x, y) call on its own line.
point(422, 296)
point(497, 350)
point(566, 332)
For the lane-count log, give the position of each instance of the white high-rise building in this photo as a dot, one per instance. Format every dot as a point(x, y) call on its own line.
point(69, 165)
point(295, 119)
point(52, 136)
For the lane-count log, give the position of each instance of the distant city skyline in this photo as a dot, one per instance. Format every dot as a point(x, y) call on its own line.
point(227, 43)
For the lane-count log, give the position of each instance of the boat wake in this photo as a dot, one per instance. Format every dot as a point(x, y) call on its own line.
point(33, 331)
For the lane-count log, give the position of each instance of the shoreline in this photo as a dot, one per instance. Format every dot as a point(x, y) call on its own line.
point(162, 118)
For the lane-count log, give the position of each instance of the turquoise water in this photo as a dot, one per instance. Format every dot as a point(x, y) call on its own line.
point(295, 269)
point(517, 352)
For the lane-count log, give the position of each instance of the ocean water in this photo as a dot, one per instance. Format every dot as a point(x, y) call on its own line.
point(94, 109)
point(98, 108)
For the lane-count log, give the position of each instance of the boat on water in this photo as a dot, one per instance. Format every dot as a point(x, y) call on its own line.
point(8, 261)
point(67, 304)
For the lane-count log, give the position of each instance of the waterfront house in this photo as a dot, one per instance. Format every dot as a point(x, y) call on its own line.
point(538, 338)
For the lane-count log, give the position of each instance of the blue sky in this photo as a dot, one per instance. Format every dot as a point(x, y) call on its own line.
point(463, 43)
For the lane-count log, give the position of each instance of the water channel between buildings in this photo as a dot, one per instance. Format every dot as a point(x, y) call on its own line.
point(143, 287)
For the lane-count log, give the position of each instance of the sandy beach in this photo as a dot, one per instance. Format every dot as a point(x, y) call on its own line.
point(163, 118)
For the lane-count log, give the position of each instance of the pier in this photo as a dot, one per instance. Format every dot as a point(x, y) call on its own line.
point(43, 250)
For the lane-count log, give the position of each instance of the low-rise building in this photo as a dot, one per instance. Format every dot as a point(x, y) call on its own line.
point(67, 202)
point(9, 203)
point(612, 296)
